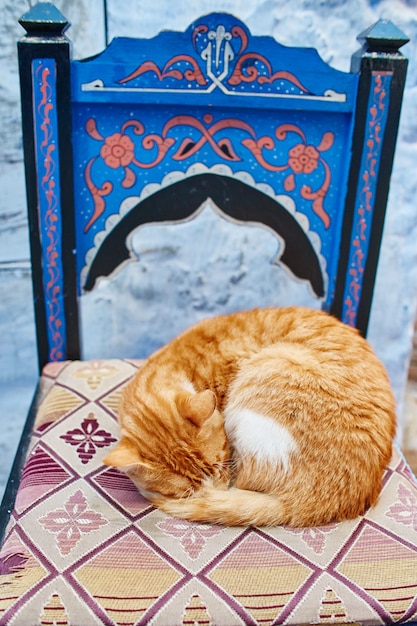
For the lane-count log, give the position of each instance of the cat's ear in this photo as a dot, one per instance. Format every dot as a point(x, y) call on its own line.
point(123, 455)
point(196, 407)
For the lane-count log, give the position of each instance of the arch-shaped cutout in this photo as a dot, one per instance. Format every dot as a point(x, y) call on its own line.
point(239, 201)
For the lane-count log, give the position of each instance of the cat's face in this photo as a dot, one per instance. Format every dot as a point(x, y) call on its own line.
point(175, 451)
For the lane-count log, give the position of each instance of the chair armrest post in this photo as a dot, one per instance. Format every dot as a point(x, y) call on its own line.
point(44, 66)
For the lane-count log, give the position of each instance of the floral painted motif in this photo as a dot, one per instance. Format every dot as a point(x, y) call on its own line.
point(88, 438)
point(192, 134)
point(71, 522)
point(303, 159)
point(193, 537)
point(404, 511)
point(117, 150)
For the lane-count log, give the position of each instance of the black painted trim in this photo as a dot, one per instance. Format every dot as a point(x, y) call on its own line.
point(59, 50)
point(26, 54)
point(236, 199)
point(9, 496)
point(381, 192)
point(336, 306)
point(64, 111)
point(369, 63)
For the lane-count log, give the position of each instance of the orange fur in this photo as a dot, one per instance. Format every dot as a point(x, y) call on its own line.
point(315, 381)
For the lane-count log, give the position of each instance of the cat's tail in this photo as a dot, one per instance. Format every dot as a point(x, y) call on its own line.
point(231, 507)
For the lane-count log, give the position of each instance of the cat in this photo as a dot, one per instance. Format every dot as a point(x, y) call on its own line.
point(276, 416)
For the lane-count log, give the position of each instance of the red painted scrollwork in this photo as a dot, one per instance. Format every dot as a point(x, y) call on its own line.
point(49, 203)
point(303, 159)
point(192, 73)
point(247, 71)
point(376, 120)
point(118, 151)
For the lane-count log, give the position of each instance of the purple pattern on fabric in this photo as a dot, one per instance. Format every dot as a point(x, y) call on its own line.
point(315, 538)
point(72, 521)
point(405, 510)
point(88, 438)
point(193, 537)
point(12, 563)
point(75, 520)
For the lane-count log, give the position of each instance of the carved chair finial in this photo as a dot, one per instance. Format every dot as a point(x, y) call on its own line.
point(383, 36)
point(44, 19)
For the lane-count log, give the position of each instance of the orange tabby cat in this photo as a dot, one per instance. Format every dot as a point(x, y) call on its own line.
point(306, 406)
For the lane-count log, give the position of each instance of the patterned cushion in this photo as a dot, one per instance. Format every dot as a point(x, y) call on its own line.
point(83, 547)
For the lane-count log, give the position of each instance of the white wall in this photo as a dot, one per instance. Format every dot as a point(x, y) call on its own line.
point(331, 26)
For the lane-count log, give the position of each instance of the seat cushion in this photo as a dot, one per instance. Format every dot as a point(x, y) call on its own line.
point(84, 547)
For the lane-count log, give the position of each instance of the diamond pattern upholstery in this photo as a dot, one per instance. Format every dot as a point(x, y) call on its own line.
point(83, 546)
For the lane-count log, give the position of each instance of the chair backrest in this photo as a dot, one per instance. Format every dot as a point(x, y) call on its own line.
point(148, 130)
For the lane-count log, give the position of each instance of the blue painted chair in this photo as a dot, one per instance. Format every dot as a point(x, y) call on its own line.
point(148, 132)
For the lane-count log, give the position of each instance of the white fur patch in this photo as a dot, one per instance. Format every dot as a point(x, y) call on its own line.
point(188, 386)
point(259, 436)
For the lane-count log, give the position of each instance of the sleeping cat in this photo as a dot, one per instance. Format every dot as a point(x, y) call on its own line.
point(264, 417)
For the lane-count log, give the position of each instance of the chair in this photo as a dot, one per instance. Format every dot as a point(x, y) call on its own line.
point(146, 132)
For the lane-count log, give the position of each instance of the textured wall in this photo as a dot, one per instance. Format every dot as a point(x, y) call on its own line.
point(232, 262)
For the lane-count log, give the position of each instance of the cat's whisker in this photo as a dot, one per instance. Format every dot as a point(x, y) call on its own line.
point(227, 467)
point(224, 472)
point(186, 495)
point(228, 463)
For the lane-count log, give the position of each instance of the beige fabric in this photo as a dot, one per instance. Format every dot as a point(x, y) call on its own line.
point(83, 547)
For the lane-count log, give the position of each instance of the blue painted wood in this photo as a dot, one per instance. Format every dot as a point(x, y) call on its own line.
point(273, 133)
point(376, 120)
point(183, 104)
point(44, 66)
point(216, 57)
point(380, 98)
point(49, 197)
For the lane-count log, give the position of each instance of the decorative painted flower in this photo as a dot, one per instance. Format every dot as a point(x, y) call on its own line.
point(70, 522)
point(117, 150)
point(193, 537)
point(303, 159)
point(88, 438)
